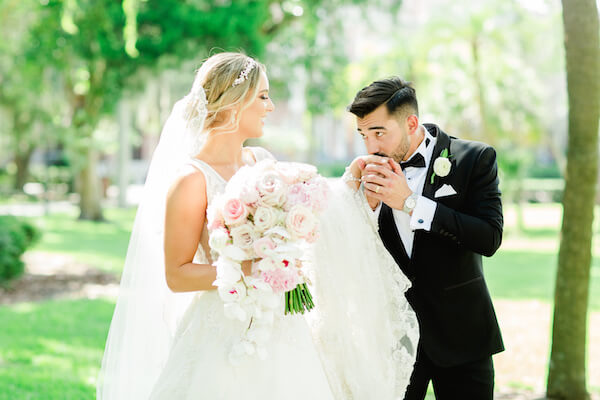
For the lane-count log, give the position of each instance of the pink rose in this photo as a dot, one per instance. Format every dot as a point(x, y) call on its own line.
point(301, 221)
point(281, 279)
point(262, 246)
point(234, 212)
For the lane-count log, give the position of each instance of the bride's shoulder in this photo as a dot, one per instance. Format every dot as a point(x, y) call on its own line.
point(260, 153)
point(190, 186)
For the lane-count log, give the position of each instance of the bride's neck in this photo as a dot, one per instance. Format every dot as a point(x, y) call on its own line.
point(225, 149)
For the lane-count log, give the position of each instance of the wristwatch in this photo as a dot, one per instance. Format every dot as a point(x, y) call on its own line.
point(410, 203)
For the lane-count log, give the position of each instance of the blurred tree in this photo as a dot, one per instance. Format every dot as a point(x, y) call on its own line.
point(85, 40)
point(483, 71)
point(315, 51)
point(26, 98)
point(567, 371)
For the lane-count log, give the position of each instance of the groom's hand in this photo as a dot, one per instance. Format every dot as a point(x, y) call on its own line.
point(386, 183)
point(361, 163)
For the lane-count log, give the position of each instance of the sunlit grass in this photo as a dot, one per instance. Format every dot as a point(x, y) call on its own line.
point(100, 244)
point(52, 350)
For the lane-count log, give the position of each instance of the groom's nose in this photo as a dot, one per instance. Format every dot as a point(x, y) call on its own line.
point(372, 146)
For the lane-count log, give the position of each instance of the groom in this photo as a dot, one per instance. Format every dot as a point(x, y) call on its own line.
point(439, 211)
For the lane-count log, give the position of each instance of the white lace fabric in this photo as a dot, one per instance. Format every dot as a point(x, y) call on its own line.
point(365, 330)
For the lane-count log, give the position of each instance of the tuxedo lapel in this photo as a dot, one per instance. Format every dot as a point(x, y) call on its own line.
point(442, 142)
point(391, 239)
point(429, 189)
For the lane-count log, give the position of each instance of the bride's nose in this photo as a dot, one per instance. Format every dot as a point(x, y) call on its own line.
point(270, 106)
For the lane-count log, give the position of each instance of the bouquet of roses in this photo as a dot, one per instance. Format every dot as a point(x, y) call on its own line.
point(268, 214)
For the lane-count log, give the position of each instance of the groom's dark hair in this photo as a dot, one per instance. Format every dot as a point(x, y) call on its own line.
point(398, 95)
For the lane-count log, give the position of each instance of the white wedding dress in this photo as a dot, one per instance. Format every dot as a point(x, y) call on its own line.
point(198, 366)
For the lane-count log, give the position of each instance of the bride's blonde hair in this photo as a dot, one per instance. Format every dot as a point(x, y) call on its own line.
point(230, 82)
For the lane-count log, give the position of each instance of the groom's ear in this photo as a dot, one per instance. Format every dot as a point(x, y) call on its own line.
point(412, 122)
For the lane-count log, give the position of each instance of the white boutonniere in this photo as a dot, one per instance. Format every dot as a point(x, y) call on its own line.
point(441, 165)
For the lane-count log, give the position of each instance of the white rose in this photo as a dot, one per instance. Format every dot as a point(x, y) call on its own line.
point(265, 218)
point(301, 221)
point(272, 189)
point(243, 236)
point(441, 166)
point(218, 239)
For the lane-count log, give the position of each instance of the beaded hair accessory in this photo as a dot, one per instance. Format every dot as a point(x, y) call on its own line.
point(250, 64)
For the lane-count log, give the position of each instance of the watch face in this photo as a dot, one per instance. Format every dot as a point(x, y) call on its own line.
point(410, 202)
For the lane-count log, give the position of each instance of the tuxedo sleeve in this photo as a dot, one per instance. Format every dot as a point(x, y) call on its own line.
point(478, 225)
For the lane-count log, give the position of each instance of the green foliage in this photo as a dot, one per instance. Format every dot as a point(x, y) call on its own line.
point(15, 237)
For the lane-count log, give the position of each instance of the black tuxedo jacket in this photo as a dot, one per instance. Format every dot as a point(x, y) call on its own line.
point(449, 294)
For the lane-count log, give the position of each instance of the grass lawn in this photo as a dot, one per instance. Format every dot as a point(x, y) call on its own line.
point(103, 245)
point(53, 349)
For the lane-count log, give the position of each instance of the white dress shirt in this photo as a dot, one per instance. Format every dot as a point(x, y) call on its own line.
point(423, 213)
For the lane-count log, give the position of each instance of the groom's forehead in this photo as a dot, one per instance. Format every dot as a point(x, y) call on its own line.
point(377, 119)
point(370, 122)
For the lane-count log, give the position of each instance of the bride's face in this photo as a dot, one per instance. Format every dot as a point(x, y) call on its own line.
point(252, 118)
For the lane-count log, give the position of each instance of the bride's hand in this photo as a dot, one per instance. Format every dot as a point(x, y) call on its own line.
point(247, 267)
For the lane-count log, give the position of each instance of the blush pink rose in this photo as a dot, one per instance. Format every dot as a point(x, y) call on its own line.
point(234, 212)
point(301, 221)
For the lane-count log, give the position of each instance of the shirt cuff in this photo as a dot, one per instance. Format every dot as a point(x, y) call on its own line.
point(423, 214)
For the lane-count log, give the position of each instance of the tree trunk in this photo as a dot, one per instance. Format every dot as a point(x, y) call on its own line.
point(89, 189)
point(124, 116)
point(567, 370)
point(22, 161)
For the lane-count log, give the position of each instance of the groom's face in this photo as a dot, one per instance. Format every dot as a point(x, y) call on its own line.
point(384, 134)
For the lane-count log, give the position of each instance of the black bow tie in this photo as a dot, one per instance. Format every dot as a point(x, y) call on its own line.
point(417, 161)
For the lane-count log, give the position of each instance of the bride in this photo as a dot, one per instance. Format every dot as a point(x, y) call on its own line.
point(169, 337)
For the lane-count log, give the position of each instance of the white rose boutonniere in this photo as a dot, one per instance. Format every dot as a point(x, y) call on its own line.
point(441, 165)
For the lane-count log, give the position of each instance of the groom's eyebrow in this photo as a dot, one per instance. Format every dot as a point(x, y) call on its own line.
point(373, 128)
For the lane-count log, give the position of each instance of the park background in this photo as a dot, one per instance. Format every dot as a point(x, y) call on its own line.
point(85, 87)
